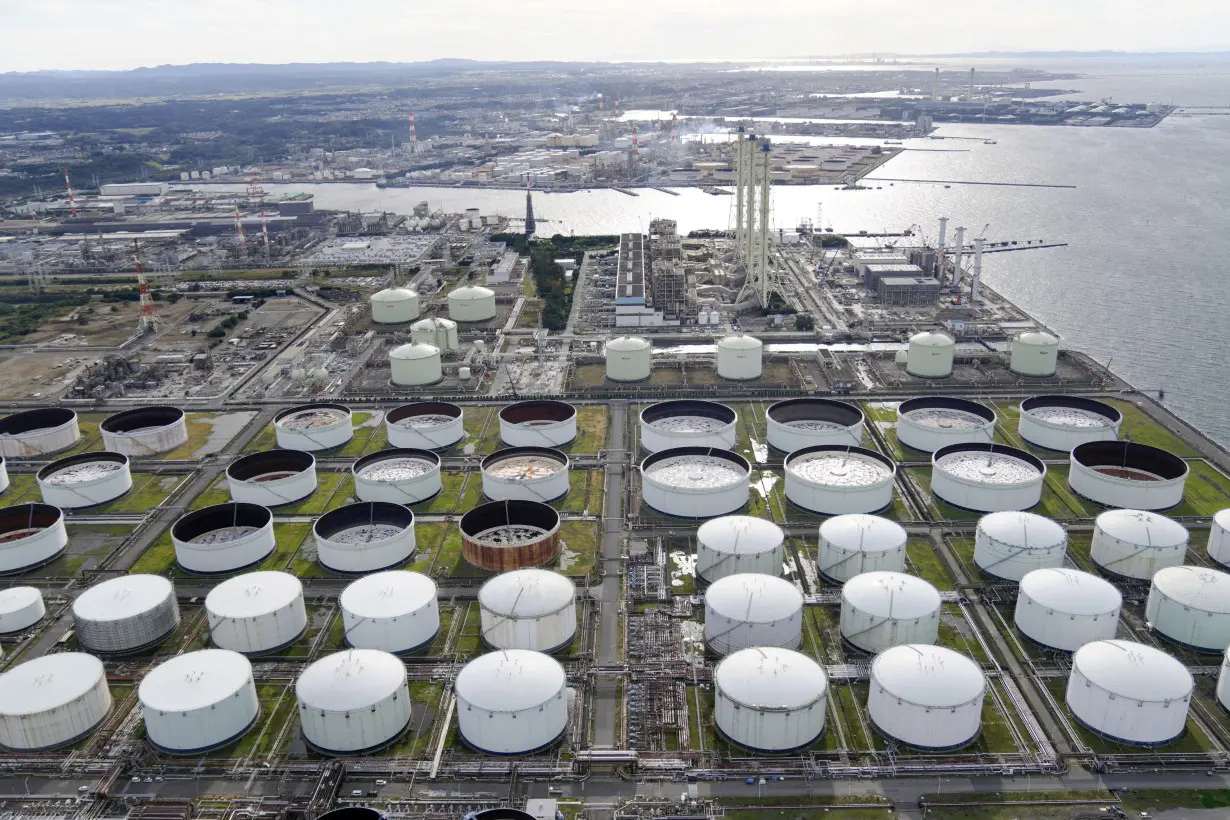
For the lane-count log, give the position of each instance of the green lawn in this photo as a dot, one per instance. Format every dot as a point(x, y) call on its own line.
point(333, 490)
point(584, 492)
point(200, 428)
point(924, 561)
point(1140, 427)
point(581, 547)
point(148, 491)
point(591, 429)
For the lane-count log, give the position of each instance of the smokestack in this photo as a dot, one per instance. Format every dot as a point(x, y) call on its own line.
point(414, 139)
point(935, 85)
point(973, 292)
point(956, 262)
point(939, 246)
point(971, 85)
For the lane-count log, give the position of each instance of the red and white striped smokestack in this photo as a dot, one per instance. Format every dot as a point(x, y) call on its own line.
point(636, 143)
point(72, 200)
point(414, 140)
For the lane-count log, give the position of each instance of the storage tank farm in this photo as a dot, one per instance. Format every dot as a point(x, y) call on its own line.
point(1191, 606)
point(795, 424)
point(688, 423)
point(1010, 545)
point(425, 425)
point(144, 431)
point(740, 358)
point(52, 701)
point(1064, 609)
point(528, 609)
point(39, 432)
point(313, 427)
point(471, 303)
point(223, 538)
point(125, 614)
point(84, 480)
point(628, 359)
point(880, 610)
point(367, 536)
point(930, 355)
point(526, 473)
point(856, 543)
point(20, 609)
point(272, 478)
point(1035, 353)
point(987, 477)
point(930, 423)
point(737, 544)
point(512, 702)
point(695, 482)
point(1127, 475)
point(395, 611)
point(31, 535)
point(1219, 538)
point(256, 613)
point(928, 697)
point(415, 365)
point(1136, 544)
point(837, 479)
point(542, 423)
point(397, 476)
point(353, 701)
point(749, 610)
point(394, 306)
point(1064, 422)
point(1129, 692)
point(770, 699)
point(437, 332)
point(198, 701)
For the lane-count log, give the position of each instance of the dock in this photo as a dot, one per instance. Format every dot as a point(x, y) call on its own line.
point(625, 191)
point(970, 182)
point(664, 190)
point(709, 189)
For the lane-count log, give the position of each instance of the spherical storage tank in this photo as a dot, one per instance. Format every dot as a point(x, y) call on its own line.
point(528, 609)
point(628, 359)
point(313, 427)
point(84, 480)
point(1129, 692)
point(437, 332)
point(414, 365)
point(1009, 545)
point(930, 355)
point(30, 535)
point(20, 608)
point(471, 303)
point(740, 358)
point(393, 611)
point(52, 701)
point(144, 431)
point(752, 610)
point(223, 538)
point(1191, 606)
point(1219, 538)
point(932, 422)
point(987, 477)
point(353, 701)
point(401, 476)
point(1065, 609)
point(125, 614)
point(364, 537)
point(1063, 422)
point(770, 699)
point(735, 544)
point(512, 702)
point(393, 306)
point(1136, 544)
point(925, 696)
point(794, 424)
point(1127, 474)
point(856, 543)
point(425, 425)
point(837, 479)
point(538, 424)
point(525, 473)
point(688, 423)
point(257, 612)
point(884, 609)
point(695, 482)
point(272, 478)
point(505, 535)
point(1034, 353)
point(38, 432)
point(198, 701)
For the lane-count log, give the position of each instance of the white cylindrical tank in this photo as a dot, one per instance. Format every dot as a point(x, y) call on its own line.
point(401, 476)
point(313, 427)
point(856, 543)
point(4, 474)
point(1219, 538)
point(199, 701)
point(84, 480)
point(30, 535)
point(436, 331)
point(393, 611)
point(748, 610)
point(1009, 545)
point(528, 609)
point(736, 544)
point(836, 479)
point(1136, 544)
point(794, 424)
point(933, 422)
point(629, 359)
point(1129, 692)
point(425, 425)
point(930, 355)
point(125, 614)
point(770, 699)
point(526, 473)
point(987, 477)
point(740, 358)
point(695, 482)
point(925, 696)
point(1063, 422)
point(256, 613)
point(512, 702)
point(223, 538)
point(365, 537)
point(1126, 474)
point(541, 423)
point(353, 701)
point(1065, 609)
point(20, 608)
point(1035, 353)
point(1191, 606)
point(52, 701)
point(471, 303)
point(144, 431)
point(272, 478)
point(40, 432)
point(880, 610)
point(1223, 682)
point(415, 365)
point(393, 306)
point(688, 423)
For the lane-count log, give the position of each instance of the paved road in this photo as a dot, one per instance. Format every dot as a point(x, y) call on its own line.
point(606, 700)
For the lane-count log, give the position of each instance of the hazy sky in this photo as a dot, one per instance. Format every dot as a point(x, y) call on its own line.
point(120, 34)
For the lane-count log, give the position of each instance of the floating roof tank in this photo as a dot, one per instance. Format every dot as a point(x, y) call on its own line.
point(30, 535)
point(144, 431)
point(794, 424)
point(84, 480)
point(1129, 692)
point(1127, 474)
point(932, 422)
point(542, 423)
point(223, 538)
point(688, 423)
point(399, 476)
point(504, 535)
point(1065, 609)
point(1064, 422)
point(425, 425)
point(313, 427)
point(272, 478)
point(695, 482)
point(38, 432)
point(365, 537)
point(836, 479)
point(770, 699)
point(526, 473)
point(987, 477)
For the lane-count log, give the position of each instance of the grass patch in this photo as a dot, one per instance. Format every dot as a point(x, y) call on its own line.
point(592, 422)
point(22, 489)
point(581, 540)
point(1207, 490)
point(584, 492)
point(149, 490)
point(159, 558)
point(924, 561)
point(200, 428)
point(1140, 427)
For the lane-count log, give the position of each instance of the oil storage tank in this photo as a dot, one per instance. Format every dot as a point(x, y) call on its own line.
point(393, 611)
point(1191, 606)
point(748, 610)
point(401, 476)
point(30, 535)
point(770, 699)
point(737, 544)
point(512, 702)
point(688, 423)
point(20, 609)
point(425, 425)
point(125, 614)
point(526, 473)
point(84, 480)
point(794, 424)
point(199, 701)
point(1223, 682)
point(471, 303)
point(932, 422)
point(1219, 538)
point(740, 358)
point(856, 543)
point(437, 332)
point(987, 477)
point(695, 482)
point(394, 306)
point(256, 613)
point(880, 610)
point(930, 355)
point(1136, 544)
point(1065, 609)
point(272, 478)
point(313, 427)
point(39, 432)
point(1009, 545)
point(223, 538)
point(1063, 422)
point(144, 431)
point(836, 479)
point(52, 701)
point(1127, 474)
point(528, 609)
point(364, 537)
point(1035, 353)
point(925, 696)
point(4, 474)
point(353, 701)
point(1129, 692)
point(538, 424)
point(415, 365)
point(628, 359)
point(507, 535)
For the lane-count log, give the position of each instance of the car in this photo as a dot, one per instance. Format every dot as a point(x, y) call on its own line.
point(82, 789)
point(357, 793)
point(382, 782)
point(751, 781)
point(553, 791)
point(136, 778)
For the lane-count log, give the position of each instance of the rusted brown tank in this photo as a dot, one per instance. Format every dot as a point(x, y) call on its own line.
point(505, 535)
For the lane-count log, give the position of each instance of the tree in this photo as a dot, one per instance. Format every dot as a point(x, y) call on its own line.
point(804, 322)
